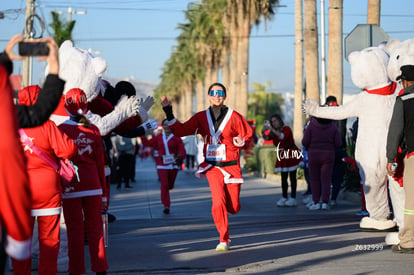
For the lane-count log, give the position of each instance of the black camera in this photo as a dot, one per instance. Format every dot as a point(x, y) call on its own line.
point(33, 48)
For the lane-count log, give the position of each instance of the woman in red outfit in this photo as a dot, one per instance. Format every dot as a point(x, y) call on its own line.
point(224, 132)
point(171, 154)
point(288, 157)
point(44, 186)
point(83, 206)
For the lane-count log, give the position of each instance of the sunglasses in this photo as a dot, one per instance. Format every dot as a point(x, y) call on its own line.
point(217, 92)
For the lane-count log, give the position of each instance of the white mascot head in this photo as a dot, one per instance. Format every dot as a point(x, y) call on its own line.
point(80, 69)
point(369, 68)
point(401, 53)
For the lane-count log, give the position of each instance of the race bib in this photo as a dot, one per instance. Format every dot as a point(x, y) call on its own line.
point(216, 152)
point(168, 159)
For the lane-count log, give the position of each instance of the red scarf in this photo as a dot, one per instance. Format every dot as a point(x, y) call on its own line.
point(387, 90)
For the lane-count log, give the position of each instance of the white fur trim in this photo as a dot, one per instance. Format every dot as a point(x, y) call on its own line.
point(80, 194)
point(241, 144)
point(171, 122)
point(19, 250)
point(46, 212)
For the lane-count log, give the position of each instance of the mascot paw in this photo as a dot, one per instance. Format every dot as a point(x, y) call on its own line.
point(133, 106)
point(128, 106)
point(309, 106)
point(371, 225)
point(392, 238)
point(147, 103)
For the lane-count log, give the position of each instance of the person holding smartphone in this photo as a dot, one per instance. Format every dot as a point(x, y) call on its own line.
point(51, 92)
point(288, 156)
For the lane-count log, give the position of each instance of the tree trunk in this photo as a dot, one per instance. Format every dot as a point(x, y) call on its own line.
point(298, 119)
point(311, 51)
point(200, 95)
point(335, 51)
point(374, 12)
point(243, 58)
point(232, 85)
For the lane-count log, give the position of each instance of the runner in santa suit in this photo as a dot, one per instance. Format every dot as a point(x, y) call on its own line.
point(83, 206)
point(45, 186)
point(171, 155)
point(224, 132)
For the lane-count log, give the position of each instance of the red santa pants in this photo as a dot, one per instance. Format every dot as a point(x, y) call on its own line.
point(225, 199)
point(85, 214)
point(167, 179)
point(48, 228)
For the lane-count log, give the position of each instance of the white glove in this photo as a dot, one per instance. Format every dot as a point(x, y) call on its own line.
point(147, 103)
point(150, 125)
point(129, 107)
point(144, 106)
point(310, 106)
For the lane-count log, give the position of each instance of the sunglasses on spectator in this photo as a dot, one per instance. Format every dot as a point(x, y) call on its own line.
point(217, 92)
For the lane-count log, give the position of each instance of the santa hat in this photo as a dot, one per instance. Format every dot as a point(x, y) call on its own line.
point(75, 102)
point(28, 95)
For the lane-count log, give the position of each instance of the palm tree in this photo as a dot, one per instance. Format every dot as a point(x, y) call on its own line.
point(311, 51)
point(298, 115)
point(335, 51)
point(62, 30)
point(374, 12)
point(244, 14)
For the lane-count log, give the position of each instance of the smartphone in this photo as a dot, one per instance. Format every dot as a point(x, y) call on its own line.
point(33, 48)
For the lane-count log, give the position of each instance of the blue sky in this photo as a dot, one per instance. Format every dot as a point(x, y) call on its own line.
point(137, 37)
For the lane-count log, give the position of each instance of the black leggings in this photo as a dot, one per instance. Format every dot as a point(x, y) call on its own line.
point(293, 184)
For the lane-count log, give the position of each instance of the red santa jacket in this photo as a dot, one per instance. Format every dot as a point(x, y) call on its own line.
point(233, 125)
point(15, 201)
point(168, 147)
point(44, 181)
point(89, 159)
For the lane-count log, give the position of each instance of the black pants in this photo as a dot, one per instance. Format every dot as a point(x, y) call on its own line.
point(3, 258)
point(126, 164)
point(285, 185)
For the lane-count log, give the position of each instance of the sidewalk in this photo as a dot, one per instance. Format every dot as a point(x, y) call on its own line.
point(266, 239)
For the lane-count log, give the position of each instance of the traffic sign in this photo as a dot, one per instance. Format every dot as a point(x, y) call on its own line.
point(364, 36)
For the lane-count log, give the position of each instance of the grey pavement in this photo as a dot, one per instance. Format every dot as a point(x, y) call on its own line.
point(265, 239)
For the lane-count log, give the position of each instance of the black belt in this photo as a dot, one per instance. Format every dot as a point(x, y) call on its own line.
point(222, 163)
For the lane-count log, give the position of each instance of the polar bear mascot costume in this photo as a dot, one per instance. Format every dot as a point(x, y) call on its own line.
point(401, 53)
point(373, 106)
point(81, 70)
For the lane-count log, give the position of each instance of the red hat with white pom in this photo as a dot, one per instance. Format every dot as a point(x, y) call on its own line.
point(75, 102)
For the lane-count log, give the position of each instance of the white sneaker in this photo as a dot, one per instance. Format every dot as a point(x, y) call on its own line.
point(392, 238)
point(314, 206)
point(333, 203)
point(309, 204)
point(222, 246)
point(281, 202)
point(291, 202)
point(324, 206)
point(307, 199)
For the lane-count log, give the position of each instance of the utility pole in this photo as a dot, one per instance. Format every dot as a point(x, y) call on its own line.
point(28, 33)
point(70, 12)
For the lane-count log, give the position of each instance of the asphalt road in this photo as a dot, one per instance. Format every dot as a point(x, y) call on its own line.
point(265, 239)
